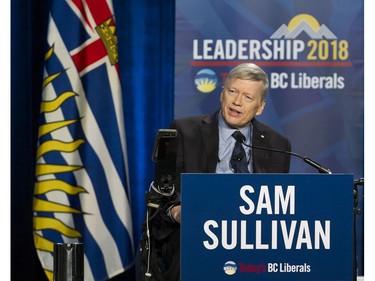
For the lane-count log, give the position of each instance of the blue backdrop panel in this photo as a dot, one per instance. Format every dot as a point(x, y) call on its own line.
point(314, 58)
point(313, 53)
point(267, 227)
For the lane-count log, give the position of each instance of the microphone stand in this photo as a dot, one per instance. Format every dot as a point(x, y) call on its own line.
point(357, 212)
point(324, 170)
point(241, 138)
point(312, 163)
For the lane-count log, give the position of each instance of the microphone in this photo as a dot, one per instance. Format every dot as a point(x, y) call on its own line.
point(238, 157)
point(320, 168)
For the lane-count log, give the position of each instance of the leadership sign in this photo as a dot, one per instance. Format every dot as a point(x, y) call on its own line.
point(267, 227)
point(312, 52)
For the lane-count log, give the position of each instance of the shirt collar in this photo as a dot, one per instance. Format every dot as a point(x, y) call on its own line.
point(226, 130)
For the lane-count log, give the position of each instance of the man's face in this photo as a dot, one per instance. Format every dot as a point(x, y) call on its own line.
point(241, 101)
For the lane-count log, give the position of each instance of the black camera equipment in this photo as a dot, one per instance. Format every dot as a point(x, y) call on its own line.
point(160, 193)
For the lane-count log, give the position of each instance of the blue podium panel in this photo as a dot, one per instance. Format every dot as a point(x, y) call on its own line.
point(266, 227)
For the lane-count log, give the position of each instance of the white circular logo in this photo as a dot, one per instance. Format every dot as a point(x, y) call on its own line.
point(206, 80)
point(230, 267)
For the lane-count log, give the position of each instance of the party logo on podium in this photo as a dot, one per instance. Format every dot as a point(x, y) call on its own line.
point(230, 267)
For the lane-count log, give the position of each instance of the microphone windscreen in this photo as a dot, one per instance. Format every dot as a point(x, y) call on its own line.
point(239, 136)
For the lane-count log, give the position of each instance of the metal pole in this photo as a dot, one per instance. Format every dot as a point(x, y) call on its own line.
point(68, 262)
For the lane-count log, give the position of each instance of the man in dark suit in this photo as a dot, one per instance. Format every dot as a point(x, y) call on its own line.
point(206, 146)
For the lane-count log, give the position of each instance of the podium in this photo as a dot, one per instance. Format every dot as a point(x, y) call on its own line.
point(267, 227)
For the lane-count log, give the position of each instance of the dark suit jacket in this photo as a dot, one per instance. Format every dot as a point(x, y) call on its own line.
point(197, 152)
point(198, 146)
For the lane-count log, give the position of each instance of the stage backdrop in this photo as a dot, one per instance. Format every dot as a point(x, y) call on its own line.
point(313, 54)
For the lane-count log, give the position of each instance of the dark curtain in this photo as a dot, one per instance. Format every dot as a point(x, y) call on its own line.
point(146, 43)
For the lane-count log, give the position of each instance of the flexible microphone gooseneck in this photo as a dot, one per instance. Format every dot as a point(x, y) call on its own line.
point(320, 168)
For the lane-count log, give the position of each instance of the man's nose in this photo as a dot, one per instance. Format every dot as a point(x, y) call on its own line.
point(237, 99)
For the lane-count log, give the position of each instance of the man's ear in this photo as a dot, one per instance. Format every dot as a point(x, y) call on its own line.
point(261, 107)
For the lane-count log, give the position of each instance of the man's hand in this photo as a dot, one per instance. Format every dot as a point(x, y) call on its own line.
point(176, 213)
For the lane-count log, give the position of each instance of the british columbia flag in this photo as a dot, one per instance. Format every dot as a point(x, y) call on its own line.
point(81, 190)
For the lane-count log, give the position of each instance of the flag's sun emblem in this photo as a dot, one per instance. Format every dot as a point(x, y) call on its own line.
point(81, 190)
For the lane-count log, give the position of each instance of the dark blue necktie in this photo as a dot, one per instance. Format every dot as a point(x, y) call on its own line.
point(238, 161)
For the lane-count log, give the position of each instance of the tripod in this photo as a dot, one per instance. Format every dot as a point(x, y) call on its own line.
point(357, 212)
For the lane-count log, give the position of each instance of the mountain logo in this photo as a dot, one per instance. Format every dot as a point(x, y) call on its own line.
point(303, 23)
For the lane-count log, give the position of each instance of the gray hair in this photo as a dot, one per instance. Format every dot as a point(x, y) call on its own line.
point(249, 71)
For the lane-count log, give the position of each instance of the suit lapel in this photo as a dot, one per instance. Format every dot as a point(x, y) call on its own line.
point(210, 138)
point(260, 138)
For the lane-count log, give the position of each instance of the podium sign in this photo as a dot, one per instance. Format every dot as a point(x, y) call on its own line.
point(267, 227)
